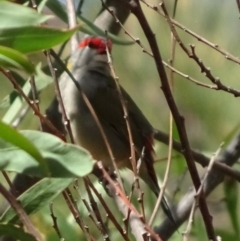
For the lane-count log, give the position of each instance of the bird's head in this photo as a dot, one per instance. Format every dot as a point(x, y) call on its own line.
point(94, 49)
point(97, 44)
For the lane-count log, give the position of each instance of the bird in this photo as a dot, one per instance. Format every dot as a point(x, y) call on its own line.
point(92, 72)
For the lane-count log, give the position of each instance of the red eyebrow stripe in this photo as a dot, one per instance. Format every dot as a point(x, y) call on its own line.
point(96, 42)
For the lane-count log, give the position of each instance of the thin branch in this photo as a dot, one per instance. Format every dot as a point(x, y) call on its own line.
point(137, 11)
point(32, 105)
point(198, 157)
point(12, 188)
point(35, 97)
point(136, 221)
point(59, 97)
point(228, 157)
point(193, 34)
point(77, 216)
point(192, 54)
point(95, 213)
point(198, 194)
point(55, 225)
point(218, 85)
point(111, 216)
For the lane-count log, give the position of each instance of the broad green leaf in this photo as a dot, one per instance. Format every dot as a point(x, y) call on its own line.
point(11, 58)
point(231, 199)
point(38, 196)
point(15, 232)
point(10, 135)
point(15, 15)
point(37, 38)
point(62, 159)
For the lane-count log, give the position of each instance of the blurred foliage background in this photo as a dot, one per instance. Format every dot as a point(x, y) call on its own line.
point(211, 117)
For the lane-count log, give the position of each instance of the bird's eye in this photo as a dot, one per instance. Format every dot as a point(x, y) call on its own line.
point(91, 44)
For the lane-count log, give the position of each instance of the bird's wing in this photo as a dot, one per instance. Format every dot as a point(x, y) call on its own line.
point(110, 111)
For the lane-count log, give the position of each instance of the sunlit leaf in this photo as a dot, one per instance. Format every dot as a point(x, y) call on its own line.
point(10, 135)
point(11, 58)
point(37, 38)
point(15, 15)
point(62, 159)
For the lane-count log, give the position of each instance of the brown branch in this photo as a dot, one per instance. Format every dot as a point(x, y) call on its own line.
point(108, 211)
point(136, 221)
point(218, 85)
point(228, 157)
point(137, 11)
point(31, 104)
point(199, 157)
point(95, 213)
point(55, 225)
point(198, 37)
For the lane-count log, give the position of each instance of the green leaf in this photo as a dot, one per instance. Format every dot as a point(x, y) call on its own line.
point(15, 15)
point(11, 58)
point(38, 196)
point(15, 232)
point(62, 159)
point(231, 199)
point(10, 135)
point(37, 38)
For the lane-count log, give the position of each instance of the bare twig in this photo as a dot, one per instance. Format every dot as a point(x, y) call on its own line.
point(95, 213)
point(192, 54)
point(199, 157)
point(59, 97)
point(32, 105)
point(136, 222)
point(198, 194)
point(126, 117)
point(228, 157)
point(12, 188)
point(108, 211)
point(55, 225)
point(137, 11)
point(218, 85)
point(216, 47)
point(76, 215)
